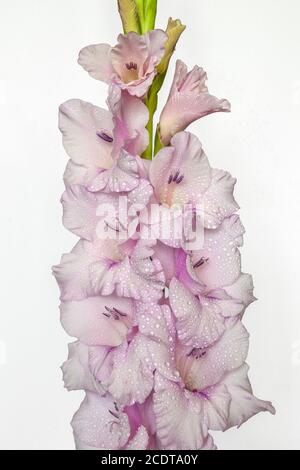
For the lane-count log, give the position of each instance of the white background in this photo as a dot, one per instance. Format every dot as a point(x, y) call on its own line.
point(250, 49)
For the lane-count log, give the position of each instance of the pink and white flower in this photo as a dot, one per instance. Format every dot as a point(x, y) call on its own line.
point(188, 101)
point(131, 64)
point(153, 300)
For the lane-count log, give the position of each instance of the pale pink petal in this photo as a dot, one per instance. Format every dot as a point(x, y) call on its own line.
point(156, 324)
point(97, 424)
point(244, 404)
point(139, 441)
point(123, 177)
point(130, 116)
point(218, 201)
point(100, 215)
point(197, 324)
point(201, 369)
point(141, 279)
point(181, 173)
point(188, 101)
point(96, 60)
point(80, 211)
point(96, 321)
point(81, 272)
point(179, 417)
point(130, 50)
point(131, 380)
point(234, 299)
point(134, 60)
point(218, 264)
point(87, 133)
point(76, 372)
point(216, 403)
point(156, 40)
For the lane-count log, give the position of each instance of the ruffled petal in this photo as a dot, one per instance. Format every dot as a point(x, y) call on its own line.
point(202, 369)
point(130, 116)
point(131, 380)
point(244, 404)
point(87, 133)
point(98, 321)
point(218, 264)
point(82, 271)
point(99, 425)
point(96, 60)
point(218, 201)
point(179, 419)
point(76, 372)
point(123, 177)
point(233, 300)
point(140, 279)
point(180, 174)
point(189, 100)
point(198, 326)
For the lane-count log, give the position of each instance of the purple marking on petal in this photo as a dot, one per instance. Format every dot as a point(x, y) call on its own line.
point(131, 66)
point(200, 263)
point(105, 137)
point(176, 176)
point(119, 312)
point(113, 414)
point(170, 180)
point(180, 179)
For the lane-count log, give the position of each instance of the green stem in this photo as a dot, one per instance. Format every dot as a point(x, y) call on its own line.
point(151, 103)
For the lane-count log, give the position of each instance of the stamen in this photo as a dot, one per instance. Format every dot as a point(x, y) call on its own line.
point(105, 136)
point(200, 263)
point(119, 312)
point(176, 176)
point(131, 66)
point(106, 314)
point(197, 353)
point(112, 228)
point(180, 179)
point(113, 414)
point(170, 180)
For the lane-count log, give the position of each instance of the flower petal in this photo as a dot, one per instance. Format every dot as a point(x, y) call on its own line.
point(96, 60)
point(82, 125)
point(178, 416)
point(97, 424)
point(185, 162)
point(76, 371)
point(244, 404)
point(218, 201)
point(221, 264)
point(130, 116)
point(236, 298)
point(131, 379)
point(207, 368)
point(123, 177)
point(188, 101)
point(92, 321)
point(198, 326)
point(81, 272)
point(139, 279)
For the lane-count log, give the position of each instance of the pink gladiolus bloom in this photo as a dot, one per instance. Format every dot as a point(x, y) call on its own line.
point(153, 292)
point(131, 64)
point(188, 101)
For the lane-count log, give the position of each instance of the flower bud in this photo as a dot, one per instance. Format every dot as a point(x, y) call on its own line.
point(129, 16)
point(174, 30)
